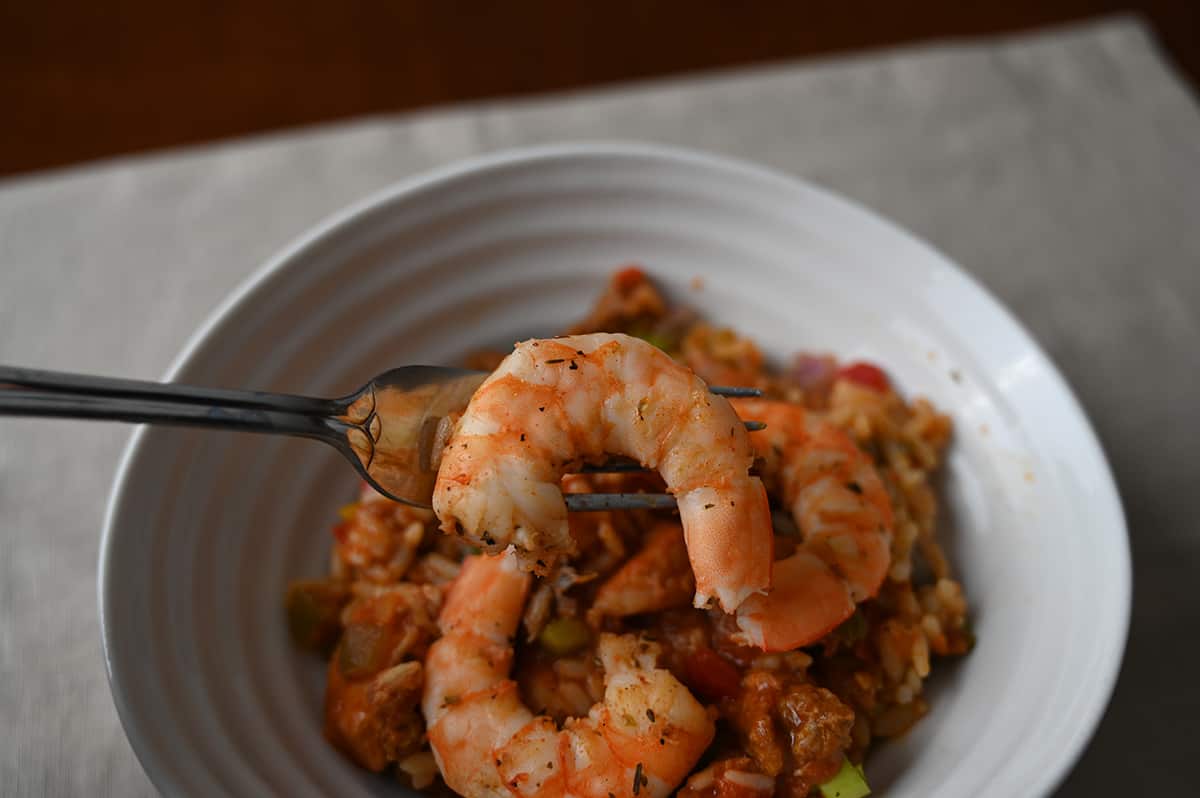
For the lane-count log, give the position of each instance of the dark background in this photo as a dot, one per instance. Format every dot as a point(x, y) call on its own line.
point(86, 80)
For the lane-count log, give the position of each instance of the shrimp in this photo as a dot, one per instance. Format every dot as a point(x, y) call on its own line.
point(641, 740)
point(555, 404)
point(654, 579)
point(845, 517)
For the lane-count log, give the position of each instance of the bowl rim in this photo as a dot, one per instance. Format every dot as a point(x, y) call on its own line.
point(275, 267)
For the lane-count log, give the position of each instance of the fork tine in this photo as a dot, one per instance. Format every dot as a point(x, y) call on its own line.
point(728, 390)
point(613, 467)
point(593, 502)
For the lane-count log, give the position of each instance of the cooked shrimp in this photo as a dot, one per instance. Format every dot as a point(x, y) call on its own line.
point(553, 405)
point(656, 578)
point(641, 740)
point(845, 517)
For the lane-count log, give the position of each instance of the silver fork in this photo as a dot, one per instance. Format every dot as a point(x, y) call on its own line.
point(391, 429)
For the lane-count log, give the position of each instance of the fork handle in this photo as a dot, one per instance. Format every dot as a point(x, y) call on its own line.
point(62, 404)
point(53, 394)
point(87, 385)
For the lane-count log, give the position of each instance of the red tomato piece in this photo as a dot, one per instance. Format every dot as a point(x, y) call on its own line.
point(711, 674)
point(628, 278)
point(866, 374)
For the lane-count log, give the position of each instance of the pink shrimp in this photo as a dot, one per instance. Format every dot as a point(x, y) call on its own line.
point(642, 740)
point(555, 404)
point(845, 517)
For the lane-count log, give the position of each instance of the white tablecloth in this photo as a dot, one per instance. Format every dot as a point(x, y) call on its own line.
point(1061, 168)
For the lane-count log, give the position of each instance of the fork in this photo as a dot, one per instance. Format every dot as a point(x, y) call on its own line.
point(391, 429)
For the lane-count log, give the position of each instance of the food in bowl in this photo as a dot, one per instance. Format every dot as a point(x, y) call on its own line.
point(578, 662)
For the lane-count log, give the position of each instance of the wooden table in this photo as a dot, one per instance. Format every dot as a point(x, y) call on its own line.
point(83, 80)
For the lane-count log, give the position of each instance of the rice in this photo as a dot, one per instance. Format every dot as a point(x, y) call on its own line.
point(421, 769)
point(751, 781)
point(537, 611)
point(569, 668)
point(702, 780)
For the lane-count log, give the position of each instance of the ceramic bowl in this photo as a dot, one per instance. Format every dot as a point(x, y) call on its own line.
point(205, 529)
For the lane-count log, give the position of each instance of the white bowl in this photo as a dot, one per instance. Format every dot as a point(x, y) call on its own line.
point(205, 529)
